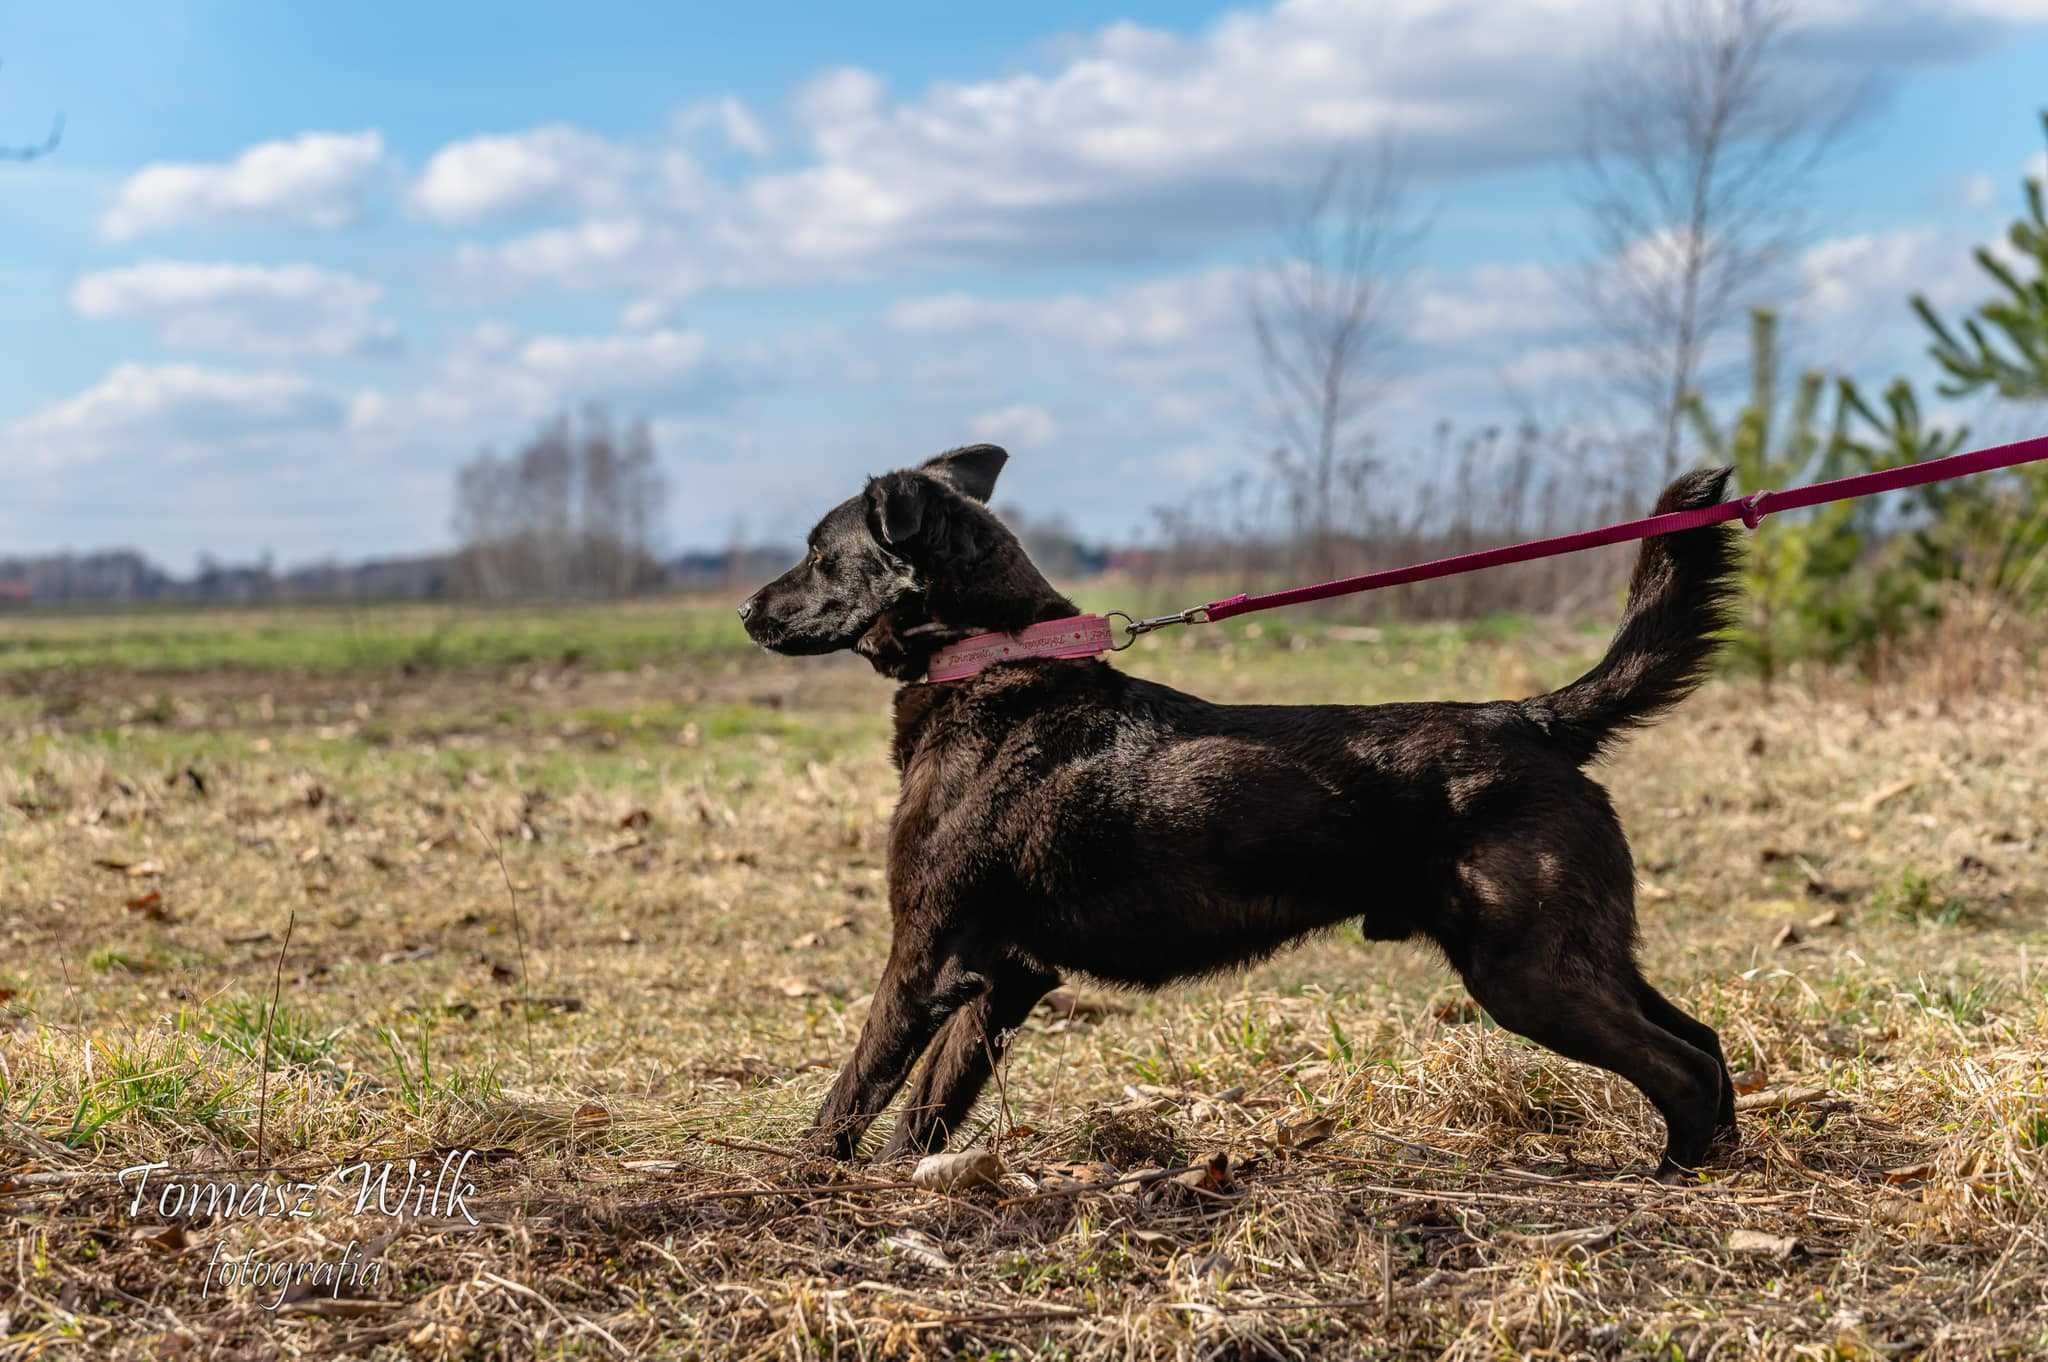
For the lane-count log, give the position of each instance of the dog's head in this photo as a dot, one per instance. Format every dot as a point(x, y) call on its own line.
point(915, 560)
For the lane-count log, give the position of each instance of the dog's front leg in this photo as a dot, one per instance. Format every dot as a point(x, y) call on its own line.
point(963, 1057)
point(916, 996)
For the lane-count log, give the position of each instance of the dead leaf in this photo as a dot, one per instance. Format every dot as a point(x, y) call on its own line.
point(968, 1169)
point(1788, 935)
point(150, 905)
point(1821, 921)
point(246, 938)
point(806, 941)
point(1087, 1174)
point(921, 1246)
point(1777, 1247)
point(637, 818)
point(590, 1115)
point(1303, 1134)
point(1205, 1183)
point(171, 1239)
point(1749, 1080)
point(1912, 1172)
point(795, 986)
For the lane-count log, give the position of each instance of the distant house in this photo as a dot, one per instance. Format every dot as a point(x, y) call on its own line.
point(16, 589)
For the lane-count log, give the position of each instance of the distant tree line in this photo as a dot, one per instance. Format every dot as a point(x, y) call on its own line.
point(573, 512)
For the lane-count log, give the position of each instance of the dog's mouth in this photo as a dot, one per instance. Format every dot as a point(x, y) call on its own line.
point(794, 641)
point(797, 645)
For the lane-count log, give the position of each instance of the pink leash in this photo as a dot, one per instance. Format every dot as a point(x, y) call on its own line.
point(1090, 635)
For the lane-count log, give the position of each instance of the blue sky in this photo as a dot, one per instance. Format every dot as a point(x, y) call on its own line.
point(292, 264)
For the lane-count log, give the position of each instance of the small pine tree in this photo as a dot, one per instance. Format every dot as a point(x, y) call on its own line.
point(2015, 366)
point(1992, 533)
point(1793, 580)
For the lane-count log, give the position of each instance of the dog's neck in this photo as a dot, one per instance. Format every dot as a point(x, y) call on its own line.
point(1000, 595)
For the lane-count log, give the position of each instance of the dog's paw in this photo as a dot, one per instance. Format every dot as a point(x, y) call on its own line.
point(835, 1142)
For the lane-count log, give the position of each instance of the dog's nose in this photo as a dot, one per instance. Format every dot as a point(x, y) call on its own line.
point(746, 609)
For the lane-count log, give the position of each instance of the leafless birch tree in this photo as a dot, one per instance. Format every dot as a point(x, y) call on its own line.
point(1702, 138)
point(574, 512)
point(1321, 311)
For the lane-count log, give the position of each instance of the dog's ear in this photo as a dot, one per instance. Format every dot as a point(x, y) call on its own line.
point(896, 508)
point(912, 514)
point(971, 469)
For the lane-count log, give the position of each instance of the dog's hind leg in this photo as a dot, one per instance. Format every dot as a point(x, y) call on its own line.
point(1584, 1012)
point(961, 1059)
point(1700, 1036)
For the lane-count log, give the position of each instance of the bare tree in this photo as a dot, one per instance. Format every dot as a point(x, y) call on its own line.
point(1701, 142)
point(34, 150)
point(574, 512)
point(1321, 312)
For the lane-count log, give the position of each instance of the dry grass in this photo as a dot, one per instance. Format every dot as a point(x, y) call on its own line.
point(641, 1010)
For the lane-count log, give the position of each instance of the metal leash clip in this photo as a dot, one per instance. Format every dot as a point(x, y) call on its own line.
point(1194, 614)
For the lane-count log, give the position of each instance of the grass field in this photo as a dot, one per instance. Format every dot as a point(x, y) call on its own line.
point(599, 893)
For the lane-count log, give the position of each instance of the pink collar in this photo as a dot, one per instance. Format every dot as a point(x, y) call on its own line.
point(1078, 636)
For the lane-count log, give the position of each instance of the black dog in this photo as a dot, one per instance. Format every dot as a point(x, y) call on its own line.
point(1064, 815)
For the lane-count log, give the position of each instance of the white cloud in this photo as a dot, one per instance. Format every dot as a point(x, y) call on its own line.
point(179, 410)
point(317, 179)
point(627, 362)
point(1843, 274)
point(628, 252)
point(844, 95)
point(1556, 363)
point(555, 165)
point(1022, 426)
point(742, 130)
point(1155, 314)
point(497, 379)
point(264, 309)
point(1135, 143)
point(644, 314)
point(1980, 191)
point(1489, 301)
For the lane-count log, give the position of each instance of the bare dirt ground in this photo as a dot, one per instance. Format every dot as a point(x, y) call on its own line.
point(615, 929)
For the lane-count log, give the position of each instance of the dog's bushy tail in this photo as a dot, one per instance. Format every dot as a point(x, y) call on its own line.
point(1678, 603)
